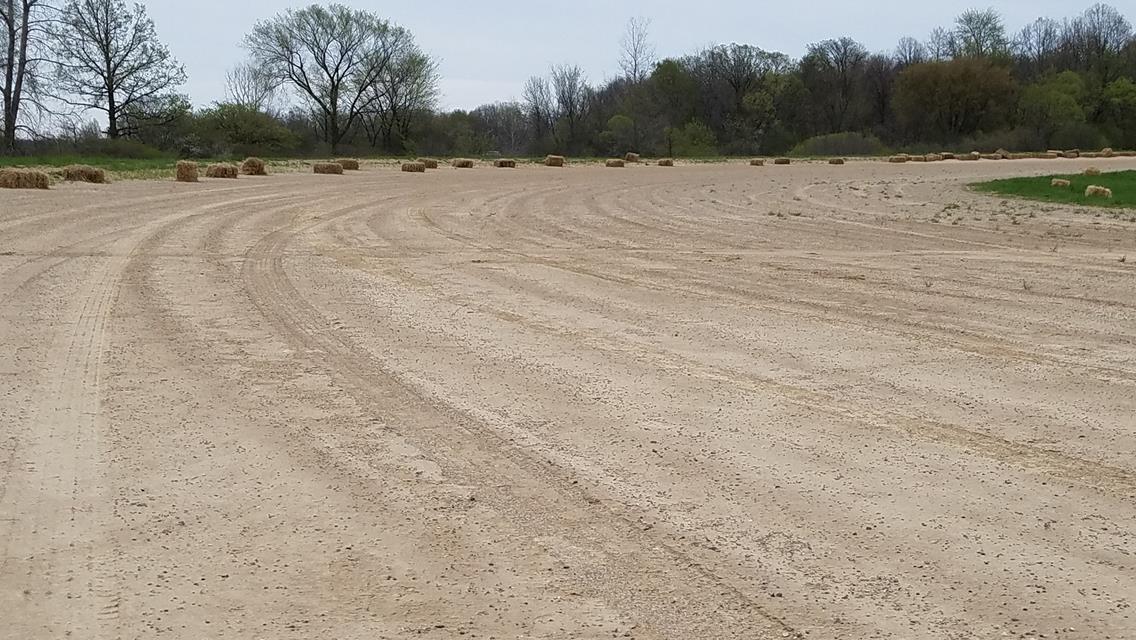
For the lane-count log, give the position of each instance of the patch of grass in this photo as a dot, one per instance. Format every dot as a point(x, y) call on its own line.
point(1122, 183)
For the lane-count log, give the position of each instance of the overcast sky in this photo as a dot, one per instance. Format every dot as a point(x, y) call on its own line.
point(488, 48)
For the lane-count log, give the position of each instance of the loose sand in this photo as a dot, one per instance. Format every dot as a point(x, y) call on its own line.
point(708, 402)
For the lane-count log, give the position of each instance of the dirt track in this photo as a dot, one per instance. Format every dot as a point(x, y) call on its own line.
point(703, 402)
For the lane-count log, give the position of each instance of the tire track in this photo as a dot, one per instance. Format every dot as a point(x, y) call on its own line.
point(484, 456)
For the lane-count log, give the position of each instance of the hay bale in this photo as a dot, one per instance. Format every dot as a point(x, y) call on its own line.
point(328, 168)
point(554, 161)
point(1091, 155)
point(1021, 156)
point(1005, 155)
point(1107, 152)
point(1060, 183)
point(505, 163)
point(933, 157)
point(429, 163)
point(254, 167)
point(918, 158)
point(1048, 155)
point(969, 157)
point(631, 158)
point(222, 170)
point(84, 173)
point(782, 161)
point(1093, 191)
point(462, 163)
point(348, 164)
point(1092, 171)
point(899, 159)
point(615, 164)
point(757, 162)
point(946, 155)
point(24, 179)
point(1071, 154)
point(991, 156)
point(836, 161)
point(667, 162)
point(414, 167)
point(186, 171)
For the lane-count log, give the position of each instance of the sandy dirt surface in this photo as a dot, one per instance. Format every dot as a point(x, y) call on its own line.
point(704, 402)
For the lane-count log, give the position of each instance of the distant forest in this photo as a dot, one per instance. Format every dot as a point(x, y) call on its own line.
point(93, 77)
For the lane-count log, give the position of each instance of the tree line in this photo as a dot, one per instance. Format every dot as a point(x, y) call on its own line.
point(331, 78)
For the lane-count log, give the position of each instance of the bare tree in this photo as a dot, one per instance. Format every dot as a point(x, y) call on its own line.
point(109, 59)
point(571, 91)
point(24, 30)
point(538, 107)
point(1036, 44)
point(333, 56)
point(942, 45)
point(910, 51)
point(1096, 40)
point(408, 87)
point(637, 54)
point(250, 86)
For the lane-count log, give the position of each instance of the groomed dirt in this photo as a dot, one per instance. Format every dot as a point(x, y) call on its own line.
point(704, 402)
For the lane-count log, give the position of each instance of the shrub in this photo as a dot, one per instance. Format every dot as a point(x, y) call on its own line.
point(841, 144)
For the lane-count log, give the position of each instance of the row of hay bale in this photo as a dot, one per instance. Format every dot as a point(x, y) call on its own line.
point(35, 179)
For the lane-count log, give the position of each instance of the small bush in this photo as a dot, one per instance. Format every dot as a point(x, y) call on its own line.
point(841, 144)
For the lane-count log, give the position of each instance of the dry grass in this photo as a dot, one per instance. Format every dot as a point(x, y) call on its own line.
point(1092, 171)
point(348, 164)
point(782, 161)
point(222, 170)
point(615, 164)
point(505, 163)
point(186, 171)
point(429, 163)
point(414, 167)
point(1094, 191)
point(254, 167)
point(84, 173)
point(462, 163)
point(24, 179)
point(328, 168)
point(1060, 183)
point(554, 161)
point(666, 162)
point(631, 158)
point(757, 162)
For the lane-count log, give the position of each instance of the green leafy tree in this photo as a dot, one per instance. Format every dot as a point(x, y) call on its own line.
point(1053, 103)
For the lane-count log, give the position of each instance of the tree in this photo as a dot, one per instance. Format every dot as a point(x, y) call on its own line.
point(24, 30)
point(833, 73)
point(910, 51)
point(537, 100)
point(1036, 45)
point(981, 33)
point(943, 101)
point(942, 45)
point(1053, 103)
point(571, 92)
point(250, 86)
point(637, 54)
point(109, 59)
point(333, 56)
point(407, 87)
